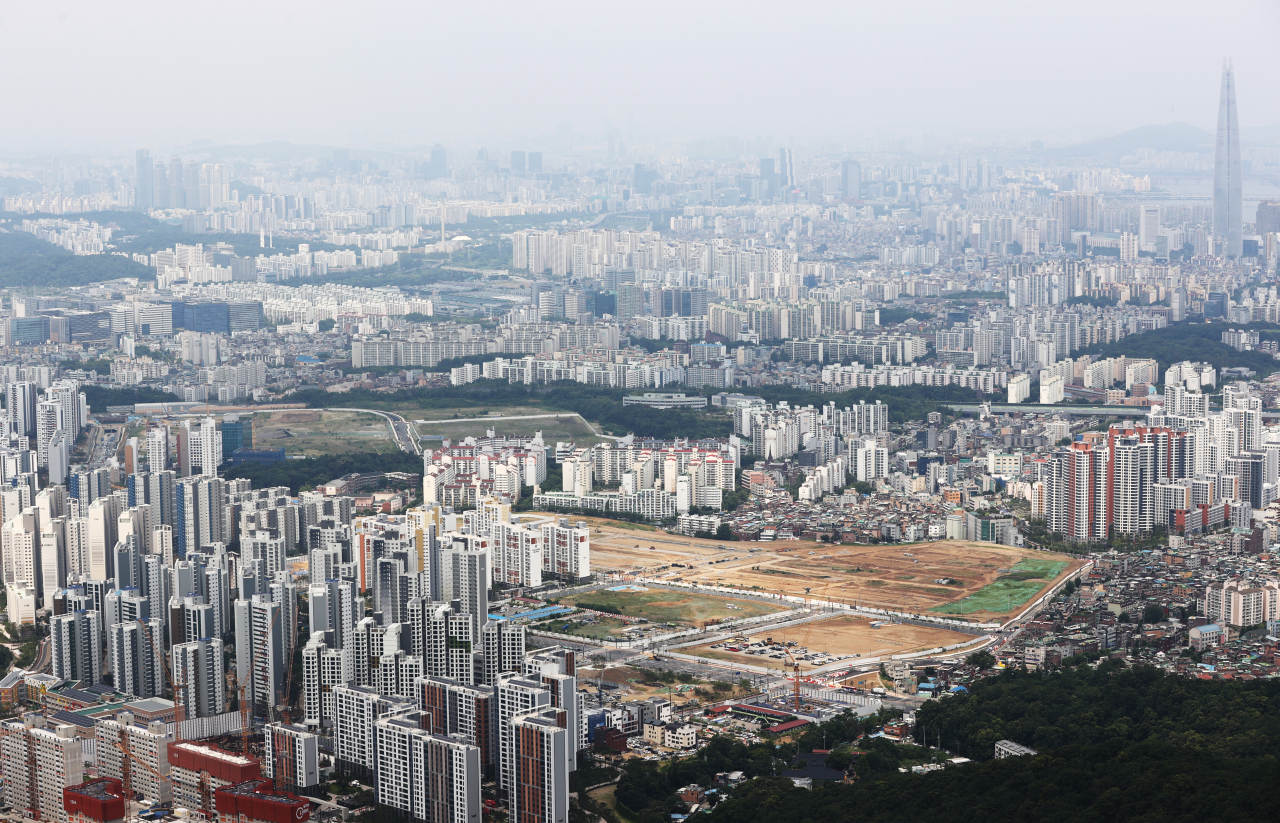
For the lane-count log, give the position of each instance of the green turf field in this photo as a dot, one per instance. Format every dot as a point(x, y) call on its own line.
point(680, 608)
point(1009, 591)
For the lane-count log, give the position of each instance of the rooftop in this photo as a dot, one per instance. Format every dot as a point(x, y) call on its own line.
point(151, 704)
point(210, 751)
point(104, 788)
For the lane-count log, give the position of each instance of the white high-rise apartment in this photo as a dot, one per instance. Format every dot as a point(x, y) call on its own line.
point(199, 677)
point(517, 554)
point(427, 776)
point(50, 759)
point(556, 668)
point(466, 576)
point(443, 638)
point(20, 408)
point(457, 708)
point(297, 753)
point(205, 444)
point(331, 606)
point(503, 646)
point(539, 749)
point(260, 654)
point(48, 423)
point(158, 448)
point(516, 695)
point(135, 668)
point(871, 461)
point(146, 743)
point(566, 550)
point(20, 543)
point(323, 667)
point(356, 709)
point(1148, 227)
point(75, 643)
point(102, 517)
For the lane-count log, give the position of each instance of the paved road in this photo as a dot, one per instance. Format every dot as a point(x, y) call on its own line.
point(401, 430)
point(43, 658)
point(584, 420)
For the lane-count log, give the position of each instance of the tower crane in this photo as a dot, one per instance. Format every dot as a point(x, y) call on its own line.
point(245, 718)
point(795, 665)
point(180, 714)
point(126, 770)
point(285, 707)
point(33, 787)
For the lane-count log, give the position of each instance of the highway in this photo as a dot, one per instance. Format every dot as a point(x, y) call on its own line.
point(1069, 411)
point(401, 430)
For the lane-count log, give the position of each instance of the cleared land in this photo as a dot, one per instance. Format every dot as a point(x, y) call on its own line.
point(472, 423)
point(903, 577)
point(677, 608)
point(306, 432)
point(841, 636)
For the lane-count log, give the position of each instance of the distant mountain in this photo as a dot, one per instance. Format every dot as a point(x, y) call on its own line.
point(1264, 135)
point(1169, 137)
point(278, 150)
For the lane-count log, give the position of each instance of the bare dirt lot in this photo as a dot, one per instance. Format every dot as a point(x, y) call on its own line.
point(842, 635)
point(310, 433)
point(905, 577)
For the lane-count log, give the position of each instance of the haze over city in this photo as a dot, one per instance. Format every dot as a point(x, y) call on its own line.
point(395, 75)
point(663, 413)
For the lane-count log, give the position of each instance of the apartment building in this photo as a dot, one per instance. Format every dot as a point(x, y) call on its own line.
point(148, 744)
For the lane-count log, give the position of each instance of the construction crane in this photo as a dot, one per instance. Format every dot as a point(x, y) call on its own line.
point(33, 788)
point(180, 714)
point(285, 708)
point(795, 664)
point(245, 719)
point(126, 771)
point(795, 681)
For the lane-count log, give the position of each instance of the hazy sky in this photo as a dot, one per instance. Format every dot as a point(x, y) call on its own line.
point(79, 73)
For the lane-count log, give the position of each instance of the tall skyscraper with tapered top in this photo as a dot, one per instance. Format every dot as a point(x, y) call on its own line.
point(1228, 193)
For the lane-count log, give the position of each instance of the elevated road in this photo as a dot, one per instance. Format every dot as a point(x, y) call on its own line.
point(401, 431)
point(1069, 411)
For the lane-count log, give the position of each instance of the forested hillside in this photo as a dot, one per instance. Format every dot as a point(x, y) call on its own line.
point(1114, 744)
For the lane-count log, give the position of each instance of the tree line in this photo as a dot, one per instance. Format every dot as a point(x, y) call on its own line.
point(1114, 743)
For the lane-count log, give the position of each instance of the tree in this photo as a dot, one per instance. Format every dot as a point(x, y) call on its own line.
point(983, 659)
point(725, 532)
point(1152, 614)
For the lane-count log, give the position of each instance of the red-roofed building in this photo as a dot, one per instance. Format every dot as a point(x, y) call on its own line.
point(256, 801)
point(94, 801)
point(789, 726)
point(187, 760)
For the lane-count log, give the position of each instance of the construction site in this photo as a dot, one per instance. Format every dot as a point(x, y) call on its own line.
point(821, 643)
point(916, 577)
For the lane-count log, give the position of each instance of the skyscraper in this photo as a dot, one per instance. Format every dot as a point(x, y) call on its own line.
point(76, 646)
point(144, 181)
point(850, 178)
point(1228, 194)
point(134, 667)
point(199, 677)
point(786, 169)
